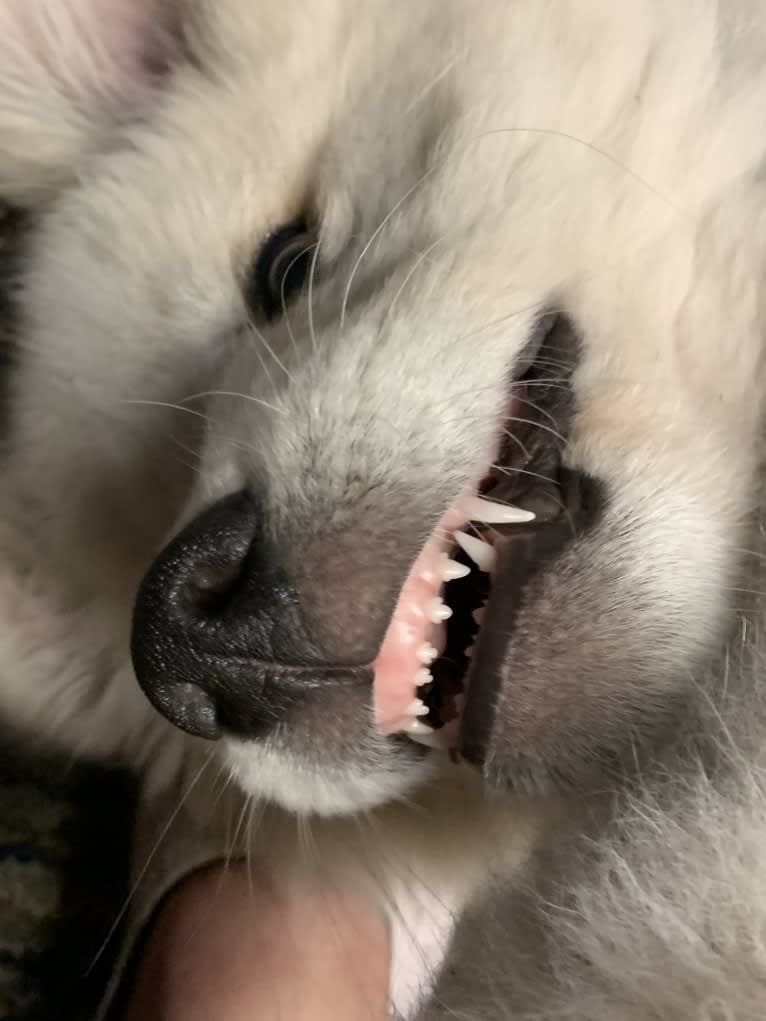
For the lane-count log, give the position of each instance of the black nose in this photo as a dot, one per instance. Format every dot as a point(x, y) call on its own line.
point(219, 642)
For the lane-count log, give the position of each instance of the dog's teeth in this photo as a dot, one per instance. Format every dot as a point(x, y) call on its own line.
point(453, 570)
point(426, 735)
point(490, 513)
point(417, 728)
point(482, 554)
point(427, 653)
point(423, 677)
point(478, 615)
point(417, 708)
point(439, 611)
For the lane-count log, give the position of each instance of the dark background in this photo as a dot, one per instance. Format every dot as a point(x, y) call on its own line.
point(64, 827)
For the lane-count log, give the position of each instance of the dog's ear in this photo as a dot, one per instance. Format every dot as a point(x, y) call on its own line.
point(71, 71)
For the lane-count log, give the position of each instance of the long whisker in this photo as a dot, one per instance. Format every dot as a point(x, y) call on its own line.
point(522, 471)
point(540, 410)
point(285, 306)
point(253, 331)
point(430, 85)
point(411, 272)
point(241, 396)
point(149, 859)
point(515, 439)
point(312, 273)
point(592, 147)
point(538, 425)
point(171, 407)
point(373, 238)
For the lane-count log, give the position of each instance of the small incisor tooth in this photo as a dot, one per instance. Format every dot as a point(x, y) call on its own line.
point(423, 677)
point(427, 653)
point(439, 611)
point(417, 708)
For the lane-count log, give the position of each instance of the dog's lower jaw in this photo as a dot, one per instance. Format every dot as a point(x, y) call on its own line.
point(263, 770)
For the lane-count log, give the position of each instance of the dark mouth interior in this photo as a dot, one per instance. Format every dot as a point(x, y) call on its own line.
point(528, 474)
point(464, 596)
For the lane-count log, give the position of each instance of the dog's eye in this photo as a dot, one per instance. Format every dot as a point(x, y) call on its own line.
point(280, 270)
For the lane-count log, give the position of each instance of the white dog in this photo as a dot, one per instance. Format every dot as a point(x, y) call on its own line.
point(318, 305)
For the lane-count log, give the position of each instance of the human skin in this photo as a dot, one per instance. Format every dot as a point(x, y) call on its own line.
point(228, 946)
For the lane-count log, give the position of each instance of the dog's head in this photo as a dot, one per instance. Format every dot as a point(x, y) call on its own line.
point(410, 274)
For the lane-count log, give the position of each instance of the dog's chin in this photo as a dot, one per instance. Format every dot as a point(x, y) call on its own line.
point(264, 770)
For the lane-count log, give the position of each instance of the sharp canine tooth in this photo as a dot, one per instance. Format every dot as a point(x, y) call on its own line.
point(426, 735)
point(482, 554)
point(478, 615)
point(439, 611)
point(417, 727)
point(492, 513)
point(423, 677)
point(417, 708)
point(427, 653)
point(453, 569)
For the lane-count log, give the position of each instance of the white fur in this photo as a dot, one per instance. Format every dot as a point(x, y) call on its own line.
point(606, 157)
point(673, 927)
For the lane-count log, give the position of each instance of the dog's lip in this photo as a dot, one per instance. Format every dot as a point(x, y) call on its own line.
point(521, 556)
point(478, 650)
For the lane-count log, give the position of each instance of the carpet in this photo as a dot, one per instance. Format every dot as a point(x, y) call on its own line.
point(64, 836)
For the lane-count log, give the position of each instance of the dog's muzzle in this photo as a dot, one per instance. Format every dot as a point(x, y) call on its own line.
point(219, 641)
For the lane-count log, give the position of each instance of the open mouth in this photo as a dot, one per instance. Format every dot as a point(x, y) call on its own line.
point(426, 663)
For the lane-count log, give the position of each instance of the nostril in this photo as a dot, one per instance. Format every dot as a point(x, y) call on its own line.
point(211, 587)
point(188, 627)
point(188, 707)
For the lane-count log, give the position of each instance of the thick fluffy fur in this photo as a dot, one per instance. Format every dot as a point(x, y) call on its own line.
point(469, 166)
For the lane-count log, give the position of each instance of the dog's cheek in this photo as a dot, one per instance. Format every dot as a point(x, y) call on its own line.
point(581, 665)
